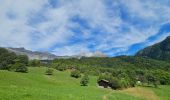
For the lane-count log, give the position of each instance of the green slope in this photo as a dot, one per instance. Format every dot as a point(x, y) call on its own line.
point(37, 86)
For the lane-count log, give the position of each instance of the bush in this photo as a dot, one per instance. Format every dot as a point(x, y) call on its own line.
point(22, 59)
point(22, 69)
point(85, 80)
point(105, 76)
point(61, 68)
point(34, 63)
point(162, 76)
point(49, 71)
point(124, 83)
point(75, 74)
point(114, 83)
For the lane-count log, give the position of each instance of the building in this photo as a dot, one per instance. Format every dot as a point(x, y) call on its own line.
point(103, 83)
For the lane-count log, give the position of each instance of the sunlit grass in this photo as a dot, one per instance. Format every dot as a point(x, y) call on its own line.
point(35, 85)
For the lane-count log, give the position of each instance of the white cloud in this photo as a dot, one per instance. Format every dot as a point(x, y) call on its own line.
point(72, 50)
point(16, 31)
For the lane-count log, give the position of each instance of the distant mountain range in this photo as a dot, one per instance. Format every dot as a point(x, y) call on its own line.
point(33, 54)
point(48, 56)
point(159, 51)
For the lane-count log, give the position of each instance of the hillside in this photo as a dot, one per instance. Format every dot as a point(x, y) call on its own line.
point(121, 62)
point(159, 51)
point(35, 85)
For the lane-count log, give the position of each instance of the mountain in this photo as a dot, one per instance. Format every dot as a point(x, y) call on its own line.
point(33, 54)
point(98, 54)
point(159, 51)
point(91, 54)
point(48, 56)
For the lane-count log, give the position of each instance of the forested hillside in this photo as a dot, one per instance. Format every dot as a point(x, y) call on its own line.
point(11, 61)
point(121, 62)
point(159, 51)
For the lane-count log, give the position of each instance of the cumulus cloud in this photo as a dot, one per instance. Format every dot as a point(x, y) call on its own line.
point(69, 27)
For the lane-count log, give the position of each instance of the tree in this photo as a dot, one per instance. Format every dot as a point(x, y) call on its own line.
point(49, 71)
point(19, 67)
point(114, 83)
point(6, 59)
point(75, 74)
point(85, 80)
point(162, 76)
point(34, 63)
point(124, 83)
point(152, 79)
point(22, 59)
point(61, 68)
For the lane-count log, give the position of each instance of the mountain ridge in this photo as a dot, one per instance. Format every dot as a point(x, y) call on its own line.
point(48, 56)
point(33, 54)
point(158, 51)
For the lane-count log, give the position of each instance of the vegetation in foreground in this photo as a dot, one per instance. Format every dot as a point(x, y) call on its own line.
point(35, 85)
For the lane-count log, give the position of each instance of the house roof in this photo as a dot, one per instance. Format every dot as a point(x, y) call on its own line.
point(104, 80)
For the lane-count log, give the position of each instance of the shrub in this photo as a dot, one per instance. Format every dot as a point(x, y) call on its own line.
point(34, 63)
point(22, 59)
point(85, 80)
point(114, 83)
point(49, 71)
point(22, 69)
point(61, 68)
point(124, 83)
point(105, 76)
point(162, 76)
point(75, 74)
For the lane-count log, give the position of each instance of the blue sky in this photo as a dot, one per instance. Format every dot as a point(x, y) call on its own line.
point(71, 27)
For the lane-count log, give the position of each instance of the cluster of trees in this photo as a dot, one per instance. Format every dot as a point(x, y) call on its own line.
point(121, 62)
point(121, 72)
point(119, 79)
point(13, 62)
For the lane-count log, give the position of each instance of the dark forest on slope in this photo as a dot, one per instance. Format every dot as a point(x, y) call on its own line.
point(159, 51)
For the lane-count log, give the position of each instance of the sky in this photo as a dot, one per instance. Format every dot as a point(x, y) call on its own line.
point(71, 27)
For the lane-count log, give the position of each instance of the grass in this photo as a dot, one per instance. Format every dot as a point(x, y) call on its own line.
point(163, 92)
point(142, 92)
point(35, 85)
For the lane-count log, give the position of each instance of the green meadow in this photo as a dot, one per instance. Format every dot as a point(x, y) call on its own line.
point(35, 85)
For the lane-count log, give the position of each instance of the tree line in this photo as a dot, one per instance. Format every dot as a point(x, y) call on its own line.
point(12, 62)
point(121, 72)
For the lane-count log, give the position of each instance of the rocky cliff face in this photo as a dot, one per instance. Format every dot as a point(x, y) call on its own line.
point(159, 51)
point(33, 55)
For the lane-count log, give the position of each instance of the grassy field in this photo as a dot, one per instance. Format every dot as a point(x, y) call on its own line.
point(35, 85)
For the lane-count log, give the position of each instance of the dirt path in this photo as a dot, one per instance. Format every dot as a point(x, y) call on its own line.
point(141, 92)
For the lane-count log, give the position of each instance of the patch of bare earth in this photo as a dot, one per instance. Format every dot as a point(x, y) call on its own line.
point(141, 92)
